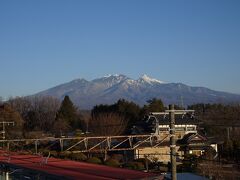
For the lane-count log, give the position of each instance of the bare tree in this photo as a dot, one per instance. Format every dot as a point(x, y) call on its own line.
point(38, 112)
point(104, 124)
point(60, 128)
point(1, 100)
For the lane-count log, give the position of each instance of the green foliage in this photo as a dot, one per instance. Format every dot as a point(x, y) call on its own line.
point(78, 133)
point(135, 165)
point(112, 163)
point(128, 110)
point(231, 150)
point(68, 112)
point(118, 157)
point(217, 113)
point(54, 154)
point(219, 121)
point(209, 154)
point(94, 160)
point(189, 163)
point(154, 105)
point(65, 154)
point(67, 115)
point(45, 152)
point(78, 157)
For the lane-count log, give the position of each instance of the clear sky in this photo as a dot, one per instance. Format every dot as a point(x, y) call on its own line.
point(48, 42)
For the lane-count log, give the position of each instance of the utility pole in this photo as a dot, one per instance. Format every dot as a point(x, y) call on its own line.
point(172, 142)
point(4, 123)
point(172, 112)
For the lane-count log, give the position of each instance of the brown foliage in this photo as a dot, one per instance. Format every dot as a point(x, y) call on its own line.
point(38, 112)
point(8, 114)
point(104, 124)
point(60, 127)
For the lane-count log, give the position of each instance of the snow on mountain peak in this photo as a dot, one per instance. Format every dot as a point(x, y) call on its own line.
point(149, 80)
point(117, 78)
point(111, 75)
point(110, 79)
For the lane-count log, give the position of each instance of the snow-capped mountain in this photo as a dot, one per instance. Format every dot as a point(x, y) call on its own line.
point(146, 79)
point(110, 88)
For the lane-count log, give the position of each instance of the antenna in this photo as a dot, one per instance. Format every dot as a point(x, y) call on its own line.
point(4, 123)
point(182, 102)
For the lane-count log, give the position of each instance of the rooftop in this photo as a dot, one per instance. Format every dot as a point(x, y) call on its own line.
point(72, 169)
point(179, 119)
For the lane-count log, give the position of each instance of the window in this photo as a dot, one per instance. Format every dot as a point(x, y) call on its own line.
point(190, 128)
point(180, 129)
point(164, 129)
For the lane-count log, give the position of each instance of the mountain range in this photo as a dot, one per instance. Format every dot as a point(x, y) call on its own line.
point(108, 89)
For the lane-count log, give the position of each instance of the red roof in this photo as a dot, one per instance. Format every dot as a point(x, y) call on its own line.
point(72, 169)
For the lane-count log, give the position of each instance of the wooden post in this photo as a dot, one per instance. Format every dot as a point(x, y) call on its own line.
point(172, 142)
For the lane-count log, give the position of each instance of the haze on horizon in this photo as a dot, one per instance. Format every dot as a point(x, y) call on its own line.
point(47, 43)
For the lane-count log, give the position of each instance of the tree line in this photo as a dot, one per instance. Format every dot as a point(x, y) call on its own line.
point(48, 115)
point(222, 122)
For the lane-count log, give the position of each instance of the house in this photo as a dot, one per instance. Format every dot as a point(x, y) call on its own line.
point(188, 138)
point(194, 143)
point(184, 124)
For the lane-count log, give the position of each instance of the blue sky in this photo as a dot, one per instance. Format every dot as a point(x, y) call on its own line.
point(46, 43)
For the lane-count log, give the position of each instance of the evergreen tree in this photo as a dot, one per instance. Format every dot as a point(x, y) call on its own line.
point(129, 110)
point(68, 114)
point(154, 105)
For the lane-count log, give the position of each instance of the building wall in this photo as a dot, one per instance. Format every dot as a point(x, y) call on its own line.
point(160, 154)
point(180, 131)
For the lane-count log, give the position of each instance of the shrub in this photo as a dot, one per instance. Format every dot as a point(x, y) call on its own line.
point(130, 165)
point(144, 161)
point(44, 152)
point(118, 157)
point(54, 153)
point(135, 165)
point(78, 133)
point(94, 160)
point(65, 154)
point(78, 157)
point(112, 163)
point(139, 166)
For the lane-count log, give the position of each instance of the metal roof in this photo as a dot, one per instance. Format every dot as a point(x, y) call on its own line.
point(179, 119)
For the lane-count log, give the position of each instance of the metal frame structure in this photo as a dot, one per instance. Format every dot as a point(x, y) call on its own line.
point(87, 144)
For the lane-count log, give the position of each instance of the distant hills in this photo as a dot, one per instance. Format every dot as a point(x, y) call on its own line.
point(108, 89)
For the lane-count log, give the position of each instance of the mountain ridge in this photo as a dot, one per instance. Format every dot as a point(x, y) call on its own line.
point(108, 89)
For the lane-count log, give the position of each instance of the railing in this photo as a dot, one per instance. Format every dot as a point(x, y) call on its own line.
point(85, 144)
